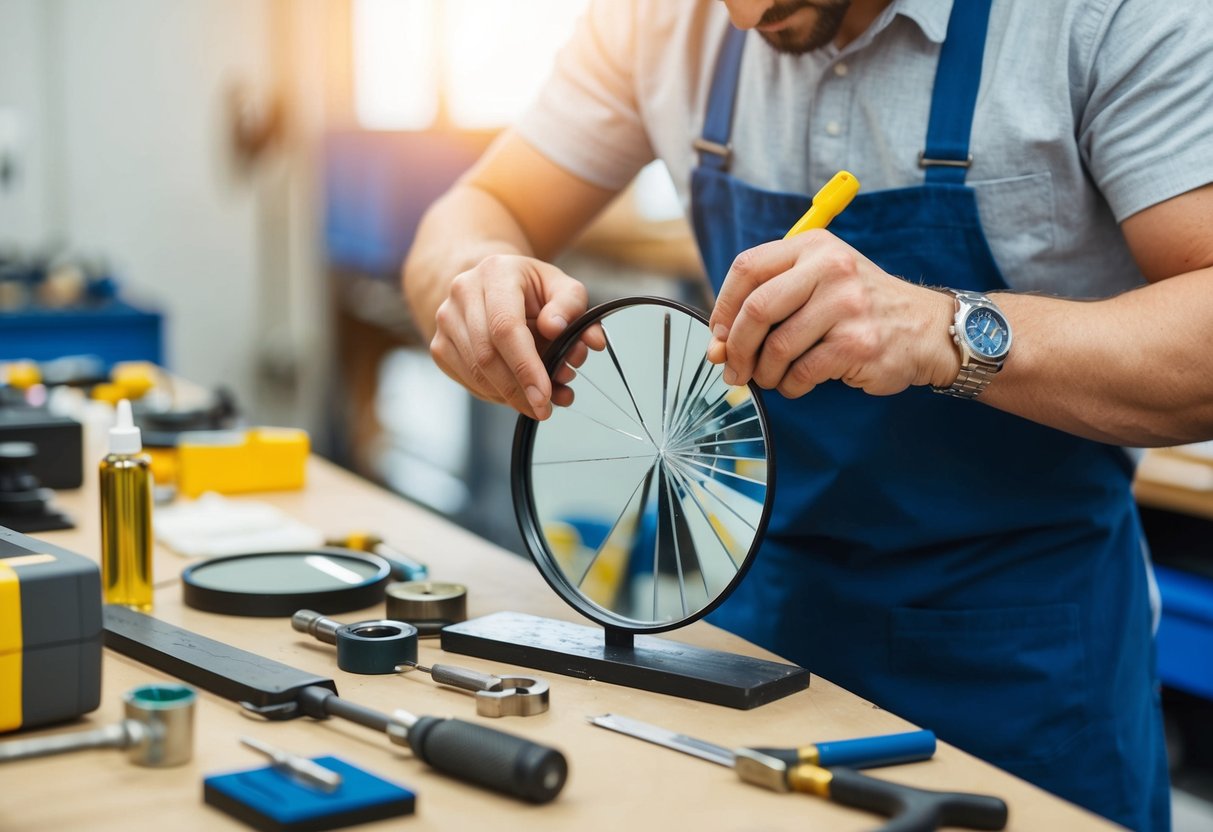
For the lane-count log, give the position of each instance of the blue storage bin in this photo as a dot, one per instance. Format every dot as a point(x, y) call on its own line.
point(1185, 635)
point(114, 331)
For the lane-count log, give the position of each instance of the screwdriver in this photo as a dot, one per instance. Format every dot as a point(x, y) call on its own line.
point(864, 752)
point(404, 568)
point(828, 203)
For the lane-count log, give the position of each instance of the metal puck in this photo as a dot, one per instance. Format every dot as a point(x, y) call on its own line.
point(427, 605)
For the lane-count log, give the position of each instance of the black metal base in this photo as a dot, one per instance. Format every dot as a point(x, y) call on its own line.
point(653, 664)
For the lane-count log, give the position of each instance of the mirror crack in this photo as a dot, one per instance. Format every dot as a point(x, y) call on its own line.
point(646, 477)
point(623, 377)
point(722, 471)
point(686, 440)
point(690, 489)
point(584, 415)
point(707, 417)
point(717, 498)
point(682, 363)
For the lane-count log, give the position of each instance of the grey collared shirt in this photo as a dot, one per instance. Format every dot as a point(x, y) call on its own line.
point(1089, 111)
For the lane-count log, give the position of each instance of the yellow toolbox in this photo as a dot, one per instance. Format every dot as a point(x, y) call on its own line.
point(237, 462)
point(50, 633)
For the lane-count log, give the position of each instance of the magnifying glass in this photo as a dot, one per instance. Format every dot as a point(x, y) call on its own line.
point(643, 504)
point(328, 580)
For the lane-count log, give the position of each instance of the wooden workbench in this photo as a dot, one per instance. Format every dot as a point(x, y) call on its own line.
point(615, 782)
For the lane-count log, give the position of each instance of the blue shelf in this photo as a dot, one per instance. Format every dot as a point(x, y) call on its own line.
point(114, 331)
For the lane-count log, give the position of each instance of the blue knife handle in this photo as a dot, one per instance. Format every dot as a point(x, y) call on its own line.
point(887, 750)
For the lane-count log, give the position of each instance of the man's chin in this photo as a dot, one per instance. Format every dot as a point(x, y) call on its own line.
point(789, 43)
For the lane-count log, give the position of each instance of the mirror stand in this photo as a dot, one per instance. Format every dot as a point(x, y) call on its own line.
point(623, 658)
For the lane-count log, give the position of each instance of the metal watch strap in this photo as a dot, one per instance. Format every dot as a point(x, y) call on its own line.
point(970, 381)
point(974, 376)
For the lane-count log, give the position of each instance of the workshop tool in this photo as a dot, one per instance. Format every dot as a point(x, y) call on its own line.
point(365, 646)
point(404, 567)
point(385, 646)
point(864, 752)
point(158, 730)
point(295, 766)
point(427, 605)
point(910, 809)
point(464, 750)
point(275, 584)
point(126, 516)
point(50, 633)
point(268, 799)
point(828, 203)
point(495, 695)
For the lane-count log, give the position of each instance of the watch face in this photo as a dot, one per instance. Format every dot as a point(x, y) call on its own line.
point(987, 333)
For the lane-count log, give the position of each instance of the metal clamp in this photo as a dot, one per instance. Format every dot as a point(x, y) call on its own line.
point(496, 696)
point(367, 647)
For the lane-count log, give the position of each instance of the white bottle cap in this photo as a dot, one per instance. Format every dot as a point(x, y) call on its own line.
point(124, 436)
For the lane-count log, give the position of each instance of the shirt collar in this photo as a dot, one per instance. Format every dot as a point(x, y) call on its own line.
point(930, 15)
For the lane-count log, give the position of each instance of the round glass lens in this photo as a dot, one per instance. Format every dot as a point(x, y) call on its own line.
point(285, 573)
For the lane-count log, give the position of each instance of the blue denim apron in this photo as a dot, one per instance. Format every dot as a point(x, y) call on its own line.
point(974, 572)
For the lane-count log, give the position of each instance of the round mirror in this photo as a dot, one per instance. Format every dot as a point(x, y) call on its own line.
point(644, 500)
point(279, 583)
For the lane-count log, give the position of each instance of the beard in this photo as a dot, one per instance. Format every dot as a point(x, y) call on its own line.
point(792, 41)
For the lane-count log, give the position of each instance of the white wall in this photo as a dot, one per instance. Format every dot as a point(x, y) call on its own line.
point(25, 207)
point(127, 104)
point(147, 175)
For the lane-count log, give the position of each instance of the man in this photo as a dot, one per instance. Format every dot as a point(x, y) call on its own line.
point(975, 566)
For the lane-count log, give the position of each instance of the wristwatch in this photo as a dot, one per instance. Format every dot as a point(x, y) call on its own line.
point(983, 336)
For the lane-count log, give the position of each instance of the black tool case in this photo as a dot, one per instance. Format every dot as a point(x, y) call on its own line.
point(50, 633)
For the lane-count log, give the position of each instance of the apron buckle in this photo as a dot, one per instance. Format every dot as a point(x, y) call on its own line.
point(724, 151)
point(924, 162)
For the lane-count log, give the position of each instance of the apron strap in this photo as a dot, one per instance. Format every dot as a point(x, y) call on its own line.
point(713, 146)
point(957, 77)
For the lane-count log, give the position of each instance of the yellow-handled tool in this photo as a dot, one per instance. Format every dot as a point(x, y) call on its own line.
point(828, 203)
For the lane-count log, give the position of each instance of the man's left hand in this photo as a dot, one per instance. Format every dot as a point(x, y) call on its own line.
point(794, 313)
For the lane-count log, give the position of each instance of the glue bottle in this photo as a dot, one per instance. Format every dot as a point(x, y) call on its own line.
point(126, 516)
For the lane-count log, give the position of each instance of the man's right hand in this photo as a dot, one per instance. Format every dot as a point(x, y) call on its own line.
point(498, 318)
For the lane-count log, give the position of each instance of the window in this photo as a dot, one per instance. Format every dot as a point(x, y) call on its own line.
point(470, 64)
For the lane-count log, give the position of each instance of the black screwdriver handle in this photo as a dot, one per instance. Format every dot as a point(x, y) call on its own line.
point(916, 810)
point(491, 758)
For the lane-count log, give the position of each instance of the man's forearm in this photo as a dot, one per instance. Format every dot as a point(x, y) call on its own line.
point(457, 232)
point(1132, 370)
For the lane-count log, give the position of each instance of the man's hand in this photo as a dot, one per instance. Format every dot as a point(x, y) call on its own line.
point(794, 313)
point(495, 322)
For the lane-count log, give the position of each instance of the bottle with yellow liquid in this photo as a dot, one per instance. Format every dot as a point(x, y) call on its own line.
point(126, 516)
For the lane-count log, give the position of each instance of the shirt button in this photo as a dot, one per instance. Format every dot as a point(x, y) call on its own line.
point(840, 69)
point(834, 128)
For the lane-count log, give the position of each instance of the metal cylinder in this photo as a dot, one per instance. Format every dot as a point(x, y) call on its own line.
point(316, 625)
point(427, 605)
point(166, 712)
